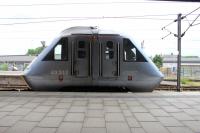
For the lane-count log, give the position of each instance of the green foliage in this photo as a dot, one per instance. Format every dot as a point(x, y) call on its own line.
point(4, 67)
point(30, 52)
point(158, 60)
point(35, 51)
point(185, 81)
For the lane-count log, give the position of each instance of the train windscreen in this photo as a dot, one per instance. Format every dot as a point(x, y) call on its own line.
point(131, 53)
point(59, 51)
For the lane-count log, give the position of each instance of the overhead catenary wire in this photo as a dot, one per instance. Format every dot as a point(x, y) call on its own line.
point(166, 36)
point(181, 18)
point(164, 27)
point(167, 30)
point(87, 18)
point(195, 24)
point(192, 11)
point(47, 21)
point(85, 3)
point(55, 17)
point(190, 25)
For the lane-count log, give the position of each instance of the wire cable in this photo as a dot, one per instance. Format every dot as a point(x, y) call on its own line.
point(85, 3)
point(185, 16)
point(187, 20)
point(169, 31)
point(166, 36)
point(190, 25)
point(153, 15)
point(168, 25)
point(181, 17)
point(41, 21)
point(195, 24)
point(78, 19)
point(192, 12)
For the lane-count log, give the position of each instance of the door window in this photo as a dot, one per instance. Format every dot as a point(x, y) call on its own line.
point(109, 45)
point(81, 54)
point(81, 49)
point(81, 44)
point(109, 52)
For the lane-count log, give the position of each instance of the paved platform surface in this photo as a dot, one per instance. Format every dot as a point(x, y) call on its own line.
point(84, 112)
point(11, 73)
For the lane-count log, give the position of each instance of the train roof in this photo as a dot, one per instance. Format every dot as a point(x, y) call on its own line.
point(87, 30)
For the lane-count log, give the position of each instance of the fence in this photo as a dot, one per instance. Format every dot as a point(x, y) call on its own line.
point(191, 72)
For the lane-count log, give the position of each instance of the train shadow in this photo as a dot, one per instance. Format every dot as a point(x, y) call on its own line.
point(94, 89)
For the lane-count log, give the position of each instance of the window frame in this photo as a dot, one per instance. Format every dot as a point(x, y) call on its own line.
point(139, 56)
point(51, 54)
point(132, 60)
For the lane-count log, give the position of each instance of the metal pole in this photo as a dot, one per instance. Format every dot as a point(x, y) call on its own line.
point(179, 54)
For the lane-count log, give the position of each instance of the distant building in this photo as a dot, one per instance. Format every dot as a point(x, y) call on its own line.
point(190, 66)
point(15, 62)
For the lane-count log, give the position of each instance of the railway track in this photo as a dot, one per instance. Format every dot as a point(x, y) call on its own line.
point(173, 88)
point(15, 81)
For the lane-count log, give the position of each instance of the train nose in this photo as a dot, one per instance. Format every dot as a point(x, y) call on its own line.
point(28, 78)
point(158, 78)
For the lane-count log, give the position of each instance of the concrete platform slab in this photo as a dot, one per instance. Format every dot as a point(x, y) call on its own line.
point(94, 122)
point(75, 117)
point(85, 112)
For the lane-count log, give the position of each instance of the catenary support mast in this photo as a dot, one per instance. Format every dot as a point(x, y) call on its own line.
point(179, 53)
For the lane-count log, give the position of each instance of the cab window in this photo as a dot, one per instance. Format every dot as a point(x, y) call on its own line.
point(131, 54)
point(59, 52)
point(129, 51)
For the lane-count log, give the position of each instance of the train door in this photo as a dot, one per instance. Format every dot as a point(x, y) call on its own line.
point(110, 56)
point(82, 59)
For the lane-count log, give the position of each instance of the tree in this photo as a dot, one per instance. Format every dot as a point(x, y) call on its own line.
point(30, 52)
point(36, 51)
point(158, 60)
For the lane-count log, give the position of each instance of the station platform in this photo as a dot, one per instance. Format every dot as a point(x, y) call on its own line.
point(92, 112)
point(11, 73)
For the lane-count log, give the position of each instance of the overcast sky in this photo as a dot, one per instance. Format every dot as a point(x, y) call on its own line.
point(23, 24)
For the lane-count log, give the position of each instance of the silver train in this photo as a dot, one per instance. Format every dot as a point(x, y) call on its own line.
point(88, 56)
